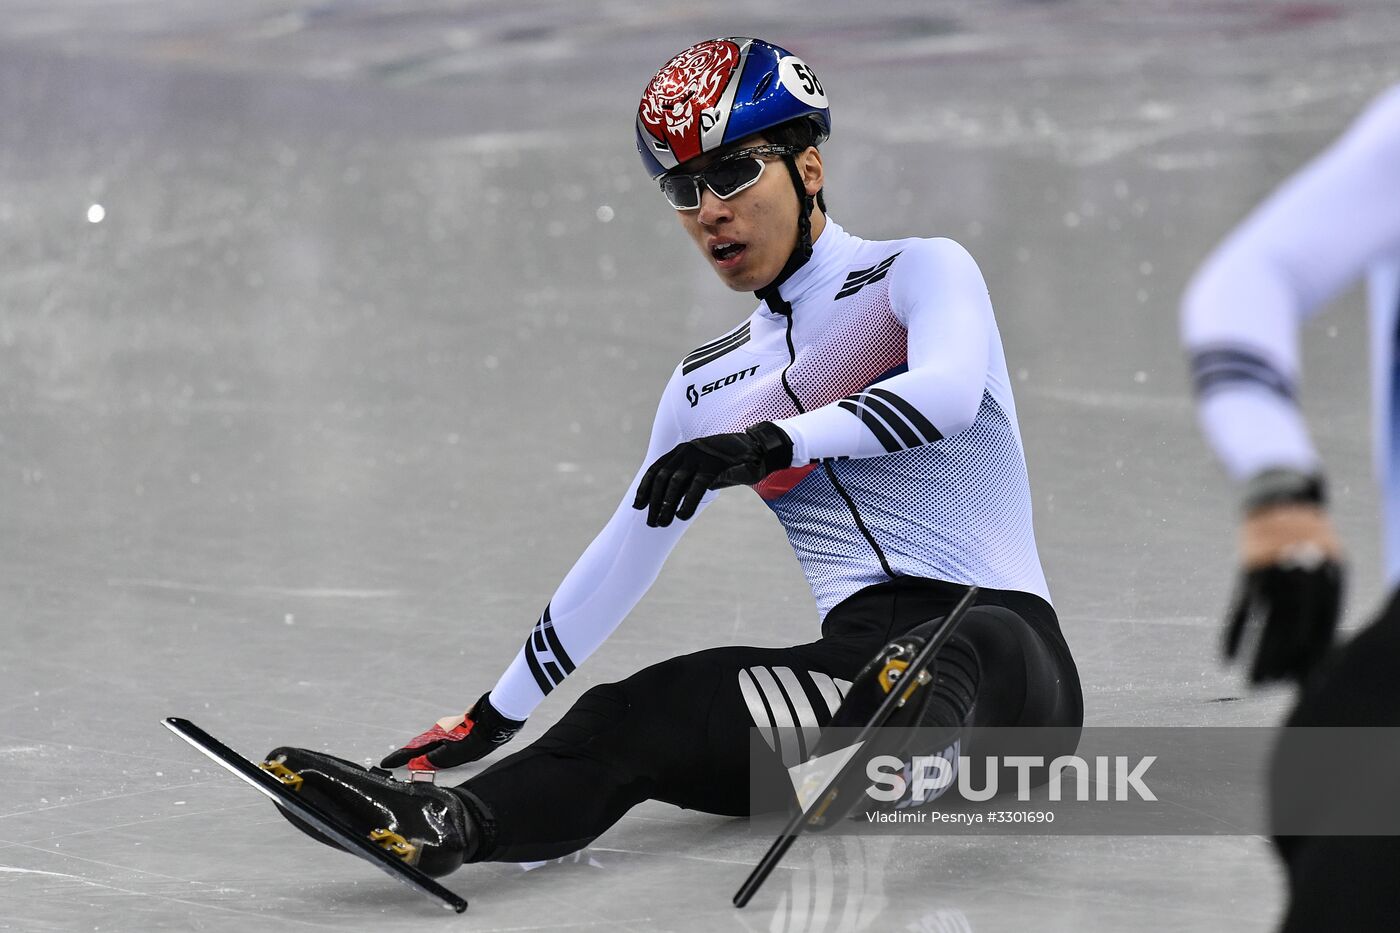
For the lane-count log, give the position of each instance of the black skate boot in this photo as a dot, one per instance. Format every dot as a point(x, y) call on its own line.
point(884, 673)
point(924, 704)
point(425, 825)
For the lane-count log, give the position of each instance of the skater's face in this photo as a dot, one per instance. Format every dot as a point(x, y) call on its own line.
point(748, 238)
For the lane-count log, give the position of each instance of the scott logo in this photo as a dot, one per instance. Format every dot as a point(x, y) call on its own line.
point(694, 396)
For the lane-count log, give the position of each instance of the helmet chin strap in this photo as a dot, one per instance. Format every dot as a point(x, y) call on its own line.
point(768, 294)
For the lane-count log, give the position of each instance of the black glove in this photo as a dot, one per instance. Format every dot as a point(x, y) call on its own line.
point(1291, 611)
point(447, 744)
point(673, 485)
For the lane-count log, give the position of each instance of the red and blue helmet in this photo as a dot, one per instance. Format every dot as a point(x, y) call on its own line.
point(721, 91)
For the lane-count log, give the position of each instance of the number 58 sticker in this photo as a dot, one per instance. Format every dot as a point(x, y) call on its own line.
point(800, 81)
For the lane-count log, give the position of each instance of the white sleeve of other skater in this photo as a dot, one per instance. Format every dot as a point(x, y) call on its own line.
point(1241, 314)
point(607, 580)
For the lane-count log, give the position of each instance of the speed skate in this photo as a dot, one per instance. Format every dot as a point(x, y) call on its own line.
point(386, 850)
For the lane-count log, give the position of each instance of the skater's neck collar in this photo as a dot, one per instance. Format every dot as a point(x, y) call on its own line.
point(799, 279)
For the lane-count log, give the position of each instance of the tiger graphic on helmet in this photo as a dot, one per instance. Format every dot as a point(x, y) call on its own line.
point(720, 91)
point(681, 102)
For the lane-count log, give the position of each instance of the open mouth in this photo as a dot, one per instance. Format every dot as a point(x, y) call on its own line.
point(726, 253)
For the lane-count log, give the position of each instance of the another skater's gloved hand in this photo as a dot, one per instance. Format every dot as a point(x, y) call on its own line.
point(456, 740)
point(673, 485)
point(1289, 596)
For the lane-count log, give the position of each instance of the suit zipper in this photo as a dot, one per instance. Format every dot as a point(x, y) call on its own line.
point(831, 473)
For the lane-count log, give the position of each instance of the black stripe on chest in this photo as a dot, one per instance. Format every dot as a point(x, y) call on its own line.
point(858, 280)
point(715, 349)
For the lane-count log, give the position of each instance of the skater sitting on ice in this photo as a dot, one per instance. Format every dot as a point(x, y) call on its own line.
point(866, 401)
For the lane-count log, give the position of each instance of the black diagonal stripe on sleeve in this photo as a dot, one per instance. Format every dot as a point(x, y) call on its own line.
point(905, 432)
point(555, 645)
point(713, 351)
point(1226, 366)
point(548, 661)
point(873, 423)
point(541, 681)
point(916, 417)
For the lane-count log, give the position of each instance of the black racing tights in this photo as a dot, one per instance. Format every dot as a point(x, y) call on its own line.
point(1345, 882)
point(678, 731)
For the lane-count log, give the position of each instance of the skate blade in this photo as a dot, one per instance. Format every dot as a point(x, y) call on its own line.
point(395, 844)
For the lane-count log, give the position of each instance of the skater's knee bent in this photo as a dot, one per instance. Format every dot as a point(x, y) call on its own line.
point(1024, 680)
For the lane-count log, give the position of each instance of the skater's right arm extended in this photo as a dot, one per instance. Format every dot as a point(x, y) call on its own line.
point(607, 580)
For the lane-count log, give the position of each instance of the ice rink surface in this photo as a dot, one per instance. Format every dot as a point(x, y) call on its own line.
point(297, 440)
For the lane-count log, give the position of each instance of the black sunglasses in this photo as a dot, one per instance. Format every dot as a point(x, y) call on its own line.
point(726, 177)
